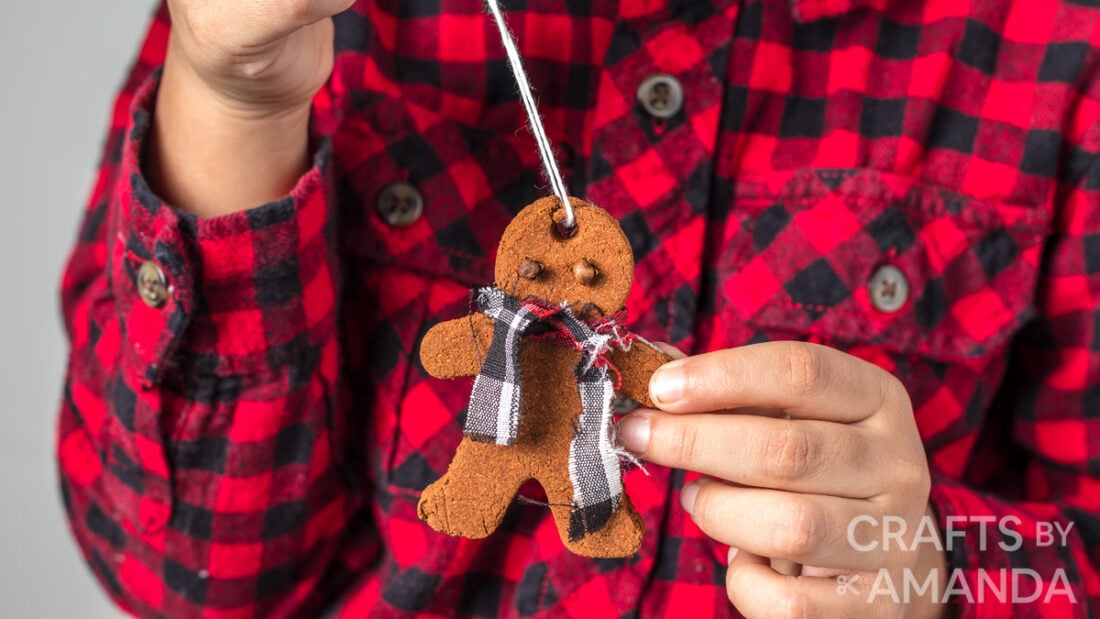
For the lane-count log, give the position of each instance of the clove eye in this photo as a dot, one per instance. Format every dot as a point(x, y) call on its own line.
point(529, 269)
point(584, 272)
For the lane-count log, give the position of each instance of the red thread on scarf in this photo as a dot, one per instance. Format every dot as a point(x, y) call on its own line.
point(611, 326)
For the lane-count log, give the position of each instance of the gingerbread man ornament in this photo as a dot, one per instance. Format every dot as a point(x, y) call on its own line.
point(547, 352)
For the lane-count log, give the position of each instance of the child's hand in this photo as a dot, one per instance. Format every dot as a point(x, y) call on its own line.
point(799, 441)
point(265, 56)
point(231, 127)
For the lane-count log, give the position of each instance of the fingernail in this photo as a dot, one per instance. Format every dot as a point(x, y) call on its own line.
point(687, 496)
point(667, 384)
point(634, 433)
point(731, 556)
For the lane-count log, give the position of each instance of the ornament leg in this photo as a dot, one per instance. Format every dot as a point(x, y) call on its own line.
point(620, 537)
point(470, 500)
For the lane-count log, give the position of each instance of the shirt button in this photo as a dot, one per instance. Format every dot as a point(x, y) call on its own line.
point(661, 95)
point(400, 204)
point(889, 289)
point(151, 284)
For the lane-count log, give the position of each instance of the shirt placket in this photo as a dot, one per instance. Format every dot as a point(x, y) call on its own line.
point(655, 129)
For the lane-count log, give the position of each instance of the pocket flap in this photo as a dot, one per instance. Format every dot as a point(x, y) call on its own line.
point(470, 183)
point(813, 241)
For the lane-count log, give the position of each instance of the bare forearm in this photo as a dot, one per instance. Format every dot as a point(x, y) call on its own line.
point(211, 157)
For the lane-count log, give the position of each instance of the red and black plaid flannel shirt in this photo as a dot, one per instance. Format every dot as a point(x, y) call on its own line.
point(256, 446)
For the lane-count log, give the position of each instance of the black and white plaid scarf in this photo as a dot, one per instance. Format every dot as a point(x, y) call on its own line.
point(495, 402)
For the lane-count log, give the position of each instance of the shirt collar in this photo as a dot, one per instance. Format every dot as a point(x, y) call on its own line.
point(811, 10)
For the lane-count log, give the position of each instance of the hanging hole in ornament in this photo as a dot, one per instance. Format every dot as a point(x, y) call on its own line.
point(561, 231)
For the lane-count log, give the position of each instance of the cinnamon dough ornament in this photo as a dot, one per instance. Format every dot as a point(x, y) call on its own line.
point(548, 352)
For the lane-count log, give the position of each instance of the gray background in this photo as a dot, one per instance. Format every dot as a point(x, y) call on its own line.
point(60, 64)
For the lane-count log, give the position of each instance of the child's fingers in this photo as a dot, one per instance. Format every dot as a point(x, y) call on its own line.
point(804, 528)
point(806, 380)
point(298, 13)
point(757, 590)
point(800, 456)
point(238, 28)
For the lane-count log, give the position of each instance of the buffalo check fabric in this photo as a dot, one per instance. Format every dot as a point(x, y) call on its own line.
point(493, 415)
point(255, 446)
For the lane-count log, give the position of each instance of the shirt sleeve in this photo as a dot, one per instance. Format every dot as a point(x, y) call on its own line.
point(196, 432)
point(1025, 540)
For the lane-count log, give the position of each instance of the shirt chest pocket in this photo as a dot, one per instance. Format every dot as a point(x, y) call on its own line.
point(860, 257)
point(423, 202)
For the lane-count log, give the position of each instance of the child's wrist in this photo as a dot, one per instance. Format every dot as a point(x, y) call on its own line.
point(210, 157)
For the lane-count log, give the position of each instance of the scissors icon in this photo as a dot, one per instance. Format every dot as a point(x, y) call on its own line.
point(846, 584)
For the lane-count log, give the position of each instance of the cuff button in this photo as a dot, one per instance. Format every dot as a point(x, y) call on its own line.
point(151, 285)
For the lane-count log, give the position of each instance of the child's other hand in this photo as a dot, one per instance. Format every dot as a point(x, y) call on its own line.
point(254, 56)
point(231, 127)
point(797, 441)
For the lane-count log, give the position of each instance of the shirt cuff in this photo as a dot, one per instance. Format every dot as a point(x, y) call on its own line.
point(227, 295)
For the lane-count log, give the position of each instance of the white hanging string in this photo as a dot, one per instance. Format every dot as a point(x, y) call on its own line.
point(549, 164)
